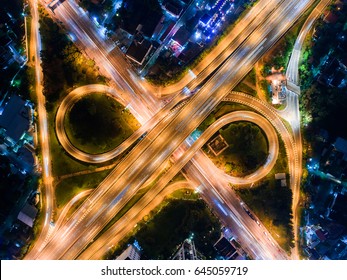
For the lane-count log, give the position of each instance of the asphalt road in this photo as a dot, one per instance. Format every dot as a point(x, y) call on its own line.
point(192, 146)
point(47, 191)
point(292, 112)
point(182, 123)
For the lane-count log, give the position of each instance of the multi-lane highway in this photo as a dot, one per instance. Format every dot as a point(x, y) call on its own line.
point(169, 130)
point(203, 70)
point(129, 221)
point(155, 145)
point(111, 236)
point(78, 93)
point(111, 60)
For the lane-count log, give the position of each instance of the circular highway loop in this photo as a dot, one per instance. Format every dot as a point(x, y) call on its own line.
point(65, 107)
point(97, 123)
point(78, 93)
point(240, 148)
point(257, 119)
point(263, 124)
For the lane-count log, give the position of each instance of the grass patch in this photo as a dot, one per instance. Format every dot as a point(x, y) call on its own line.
point(178, 177)
point(28, 21)
point(222, 109)
point(280, 106)
point(272, 203)
point(265, 88)
point(242, 87)
point(185, 194)
point(68, 188)
point(247, 151)
point(64, 68)
point(98, 123)
point(248, 84)
point(62, 162)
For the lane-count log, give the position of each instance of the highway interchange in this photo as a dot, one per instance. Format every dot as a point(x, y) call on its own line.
point(168, 132)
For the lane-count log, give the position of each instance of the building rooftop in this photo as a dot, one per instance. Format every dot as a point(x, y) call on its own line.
point(225, 248)
point(189, 52)
point(338, 212)
point(27, 215)
point(205, 19)
point(15, 118)
point(280, 176)
point(150, 23)
point(26, 157)
point(173, 8)
point(322, 235)
point(283, 183)
point(331, 17)
point(181, 36)
point(186, 251)
point(138, 52)
point(341, 145)
point(139, 13)
point(131, 253)
point(167, 31)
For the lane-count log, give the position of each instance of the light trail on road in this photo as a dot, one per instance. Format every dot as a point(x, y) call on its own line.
point(189, 116)
point(48, 197)
point(292, 111)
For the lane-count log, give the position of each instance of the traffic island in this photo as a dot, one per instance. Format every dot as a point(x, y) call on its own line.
point(239, 149)
point(97, 123)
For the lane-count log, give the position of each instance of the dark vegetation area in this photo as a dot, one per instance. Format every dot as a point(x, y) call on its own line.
point(323, 106)
point(247, 151)
point(247, 142)
point(98, 123)
point(272, 204)
point(15, 189)
point(97, 6)
point(10, 188)
point(63, 64)
point(167, 71)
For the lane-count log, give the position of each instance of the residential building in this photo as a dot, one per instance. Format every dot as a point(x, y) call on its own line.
point(14, 121)
point(341, 146)
point(333, 73)
point(226, 248)
point(181, 36)
point(139, 50)
point(315, 235)
point(174, 9)
point(27, 215)
point(186, 251)
point(131, 253)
